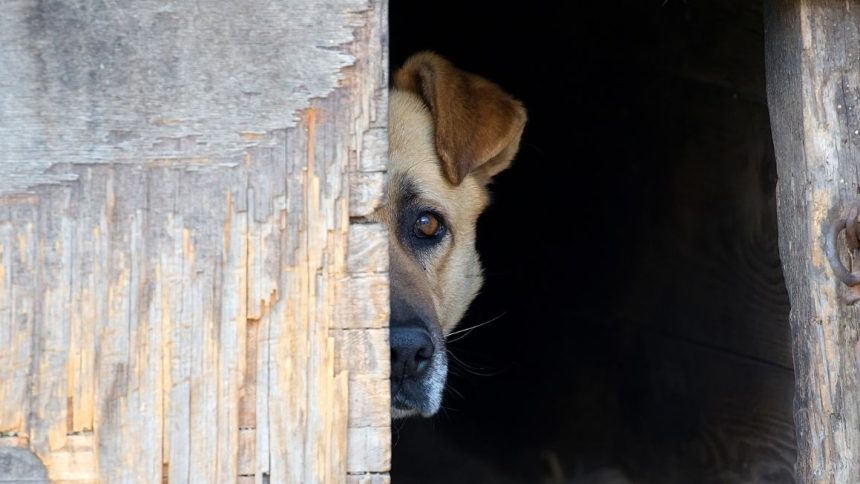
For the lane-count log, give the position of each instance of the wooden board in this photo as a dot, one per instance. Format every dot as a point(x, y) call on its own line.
point(813, 81)
point(183, 193)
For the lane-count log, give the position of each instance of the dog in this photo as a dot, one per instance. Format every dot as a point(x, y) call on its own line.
point(450, 133)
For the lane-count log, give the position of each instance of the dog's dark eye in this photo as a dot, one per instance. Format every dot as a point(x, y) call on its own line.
point(427, 225)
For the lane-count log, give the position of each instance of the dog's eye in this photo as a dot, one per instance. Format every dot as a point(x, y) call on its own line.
point(427, 225)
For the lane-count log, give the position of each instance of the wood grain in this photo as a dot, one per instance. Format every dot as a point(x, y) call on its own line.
point(814, 96)
point(182, 189)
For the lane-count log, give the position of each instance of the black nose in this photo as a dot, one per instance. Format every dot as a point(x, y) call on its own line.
point(411, 351)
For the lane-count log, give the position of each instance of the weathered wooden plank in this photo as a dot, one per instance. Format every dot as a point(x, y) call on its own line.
point(175, 200)
point(369, 450)
point(76, 462)
point(367, 296)
point(368, 249)
point(368, 479)
point(246, 460)
point(48, 420)
point(373, 357)
point(86, 304)
point(127, 392)
point(373, 454)
point(17, 312)
point(368, 373)
point(233, 338)
point(813, 69)
point(364, 188)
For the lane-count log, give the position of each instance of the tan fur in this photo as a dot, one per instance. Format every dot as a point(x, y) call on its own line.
point(412, 154)
point(450, 132)
point(477, 126)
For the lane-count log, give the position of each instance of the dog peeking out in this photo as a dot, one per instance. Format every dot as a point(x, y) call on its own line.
point(450, 133)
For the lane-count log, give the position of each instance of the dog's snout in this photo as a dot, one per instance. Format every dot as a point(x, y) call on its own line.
point(411, 352)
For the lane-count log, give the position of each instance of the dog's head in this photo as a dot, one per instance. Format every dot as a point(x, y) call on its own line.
point(450, 133)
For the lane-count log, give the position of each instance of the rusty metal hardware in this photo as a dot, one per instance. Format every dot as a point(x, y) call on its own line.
point(851, 226)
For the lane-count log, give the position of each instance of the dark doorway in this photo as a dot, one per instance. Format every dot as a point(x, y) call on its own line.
point(630, 253)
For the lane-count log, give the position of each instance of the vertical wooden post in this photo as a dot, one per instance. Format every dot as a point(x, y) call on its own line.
point(189, 287)
point(813, 85)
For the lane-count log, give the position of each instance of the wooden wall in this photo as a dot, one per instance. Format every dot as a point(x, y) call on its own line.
point(813, 68)
point(189, 290)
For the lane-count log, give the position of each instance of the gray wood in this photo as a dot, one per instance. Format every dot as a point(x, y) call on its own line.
point(21, 465)
point(182, 185)
point(184, 82)
point(813, 81)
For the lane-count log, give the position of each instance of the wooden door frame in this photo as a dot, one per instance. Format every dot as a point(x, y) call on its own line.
point(813, 88)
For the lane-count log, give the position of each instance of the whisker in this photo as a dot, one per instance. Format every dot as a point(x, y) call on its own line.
point(455, 391)
point(472, 370)
point(396, 427)
point(443, 413)
point(455, 373)
point(470, 328)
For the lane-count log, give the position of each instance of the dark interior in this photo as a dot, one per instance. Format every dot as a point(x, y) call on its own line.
point(640, 320)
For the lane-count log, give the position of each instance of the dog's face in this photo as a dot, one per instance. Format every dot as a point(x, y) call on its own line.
point(450, 133)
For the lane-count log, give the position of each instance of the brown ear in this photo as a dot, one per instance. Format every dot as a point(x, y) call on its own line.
point(478, 126)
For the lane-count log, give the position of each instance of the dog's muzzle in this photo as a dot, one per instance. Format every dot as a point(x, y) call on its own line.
point(419, 363)
point(418, 370)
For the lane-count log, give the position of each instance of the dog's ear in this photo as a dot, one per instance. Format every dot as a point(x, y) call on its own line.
point(478, 125)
